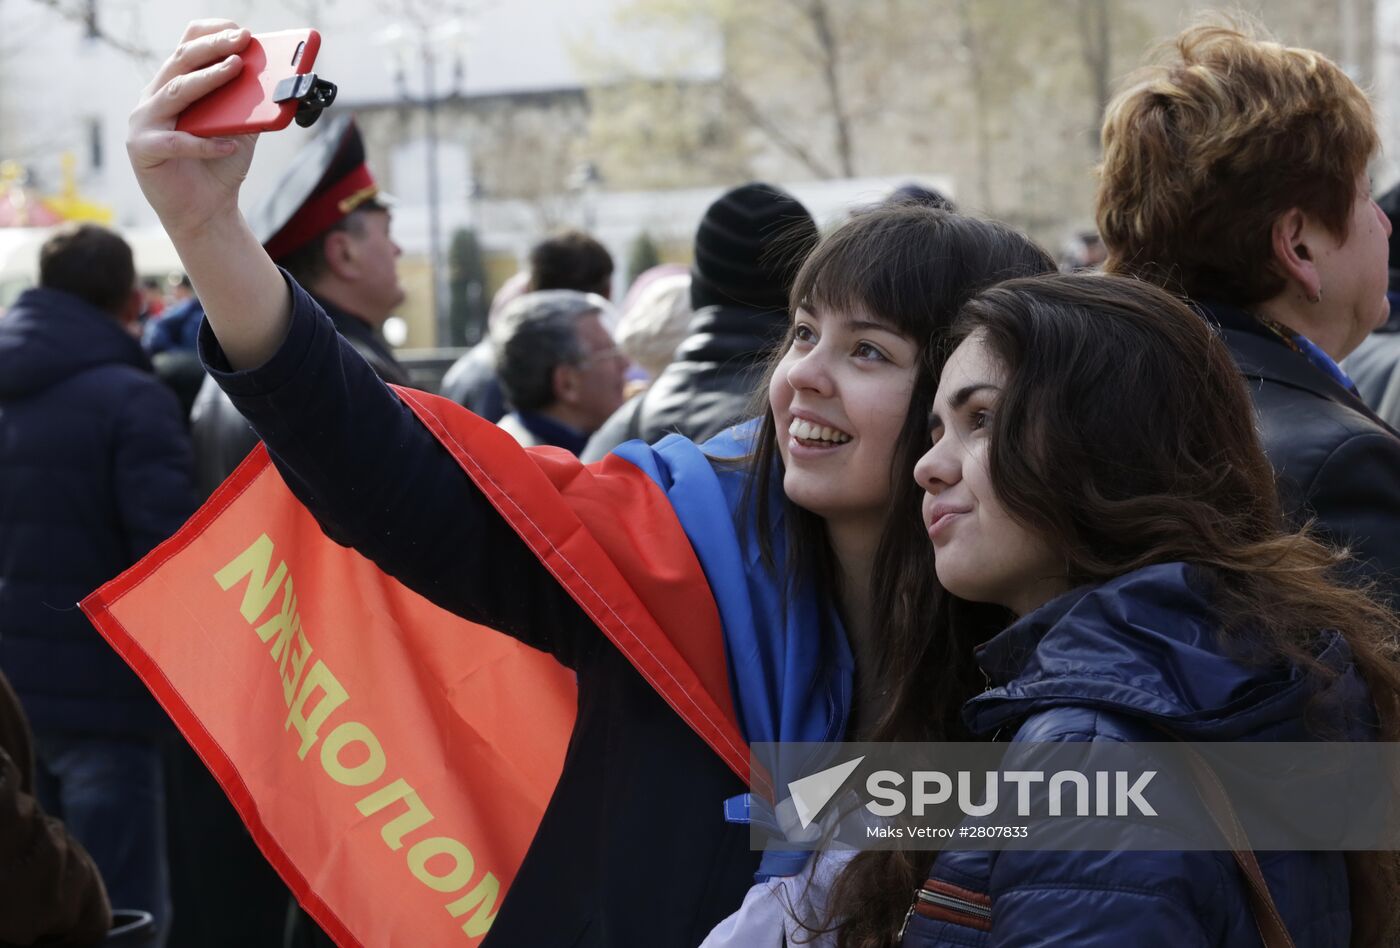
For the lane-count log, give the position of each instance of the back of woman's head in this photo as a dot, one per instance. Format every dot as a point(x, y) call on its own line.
point(1207, 148)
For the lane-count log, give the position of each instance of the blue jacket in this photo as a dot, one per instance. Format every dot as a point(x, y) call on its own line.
point(176, 329)
point(1114, 663)
point(95, 470)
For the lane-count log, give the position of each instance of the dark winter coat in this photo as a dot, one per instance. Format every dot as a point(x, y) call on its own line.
point(222, 438)
point(638, 787)
point(95, 470)
point(1336, 459)
point(707, 387)
point(1116, 663)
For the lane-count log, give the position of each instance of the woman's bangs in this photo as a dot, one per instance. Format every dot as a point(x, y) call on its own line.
point(867, 273)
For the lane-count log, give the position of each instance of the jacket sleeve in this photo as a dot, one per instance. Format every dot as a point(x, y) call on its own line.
point(153, 471)
point(378, 481)
point(1356, 498)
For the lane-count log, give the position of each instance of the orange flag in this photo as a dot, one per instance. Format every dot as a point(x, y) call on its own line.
point(392, 760)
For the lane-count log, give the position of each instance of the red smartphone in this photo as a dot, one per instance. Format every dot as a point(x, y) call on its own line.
point(275, 83)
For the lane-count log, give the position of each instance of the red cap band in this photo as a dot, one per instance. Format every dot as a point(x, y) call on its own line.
point(322, 212)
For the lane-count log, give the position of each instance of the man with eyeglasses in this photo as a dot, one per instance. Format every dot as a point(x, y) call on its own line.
point(559, 367)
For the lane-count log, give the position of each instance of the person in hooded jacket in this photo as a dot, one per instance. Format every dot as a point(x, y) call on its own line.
point(748, 248)
point(1095, 479)
point(95, 470)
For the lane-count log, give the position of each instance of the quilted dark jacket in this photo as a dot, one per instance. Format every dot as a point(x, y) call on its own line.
point(1116, 663)
point(95, 470)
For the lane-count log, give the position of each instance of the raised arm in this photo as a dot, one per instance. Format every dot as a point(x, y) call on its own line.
point(192, 184)
point(358, 459)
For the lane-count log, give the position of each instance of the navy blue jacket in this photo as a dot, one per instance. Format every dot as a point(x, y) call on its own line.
point(1115, 663)
point(95, 470)
point(632, 849)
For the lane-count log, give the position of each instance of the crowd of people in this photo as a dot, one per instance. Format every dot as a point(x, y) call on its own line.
point(976, 499)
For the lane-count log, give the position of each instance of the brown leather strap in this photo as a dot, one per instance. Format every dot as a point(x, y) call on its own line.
point(1272, 931)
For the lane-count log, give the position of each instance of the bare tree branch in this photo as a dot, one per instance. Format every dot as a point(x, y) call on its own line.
point(741, 101)
point(820, 17)
point(981, 106)
point(79, 11)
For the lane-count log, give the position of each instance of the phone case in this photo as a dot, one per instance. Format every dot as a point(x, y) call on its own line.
point(246, 103)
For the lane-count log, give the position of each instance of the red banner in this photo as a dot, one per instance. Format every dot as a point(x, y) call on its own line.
point(392, 760)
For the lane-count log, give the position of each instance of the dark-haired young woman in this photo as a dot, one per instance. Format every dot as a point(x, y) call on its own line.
point(1095, 474)
point(633, 848)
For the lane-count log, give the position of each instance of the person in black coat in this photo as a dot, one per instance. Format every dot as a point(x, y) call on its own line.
point(1263, 217)
point(634, 847)
point(95, 470)
point(748, 248)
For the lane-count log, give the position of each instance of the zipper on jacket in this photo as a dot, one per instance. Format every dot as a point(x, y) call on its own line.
point(945, 902)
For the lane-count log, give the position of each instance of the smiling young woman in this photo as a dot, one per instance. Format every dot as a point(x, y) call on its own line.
point(377, 479)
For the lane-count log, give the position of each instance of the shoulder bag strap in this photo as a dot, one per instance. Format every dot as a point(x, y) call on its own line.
point(1272, 930)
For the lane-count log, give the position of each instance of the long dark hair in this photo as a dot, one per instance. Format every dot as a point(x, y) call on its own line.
point(1124, 432)
point(911, 267)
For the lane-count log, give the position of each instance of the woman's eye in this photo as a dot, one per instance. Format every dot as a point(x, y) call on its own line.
point(980, 419)
point(801, 333)
point(865, 350)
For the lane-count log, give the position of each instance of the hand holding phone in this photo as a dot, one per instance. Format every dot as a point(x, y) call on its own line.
point(192, 183)
point(275, 85)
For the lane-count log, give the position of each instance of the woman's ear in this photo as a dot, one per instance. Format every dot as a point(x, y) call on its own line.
point(1292, 253)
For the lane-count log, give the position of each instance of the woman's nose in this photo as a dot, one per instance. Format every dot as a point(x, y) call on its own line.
point(937, 469)
point(811, 372)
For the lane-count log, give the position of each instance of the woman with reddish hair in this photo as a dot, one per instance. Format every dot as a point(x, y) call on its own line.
point(1234, 174)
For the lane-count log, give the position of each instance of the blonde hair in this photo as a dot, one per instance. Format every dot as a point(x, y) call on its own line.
point(1205, 149)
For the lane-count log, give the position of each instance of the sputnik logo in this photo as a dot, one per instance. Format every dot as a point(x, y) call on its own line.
point(811, 794)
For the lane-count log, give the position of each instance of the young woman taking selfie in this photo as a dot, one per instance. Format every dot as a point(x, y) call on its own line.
point(633, 848)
